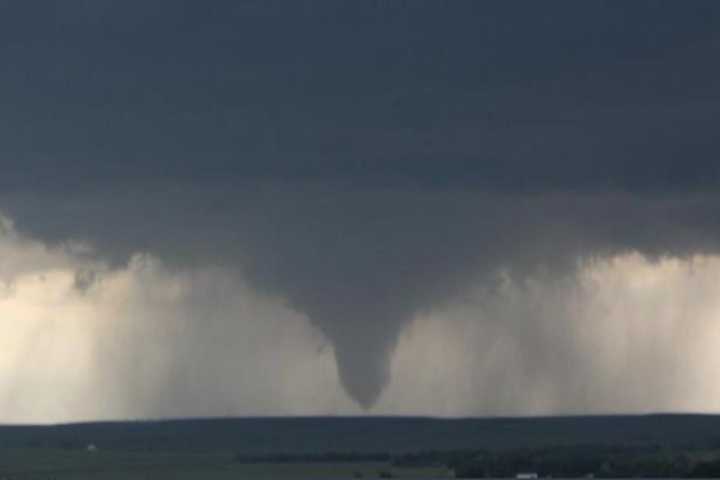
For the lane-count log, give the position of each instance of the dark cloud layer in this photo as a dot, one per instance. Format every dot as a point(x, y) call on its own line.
point(366, 161)
point(492, 94)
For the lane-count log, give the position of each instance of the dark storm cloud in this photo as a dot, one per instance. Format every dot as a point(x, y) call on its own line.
point(367, 161)
point(505, 94)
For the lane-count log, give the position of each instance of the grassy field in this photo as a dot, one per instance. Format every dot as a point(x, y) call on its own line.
point(208, 448)
point(316, 435)
point(44, 464)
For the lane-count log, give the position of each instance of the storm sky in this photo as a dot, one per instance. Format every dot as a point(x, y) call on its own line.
point(347, 207)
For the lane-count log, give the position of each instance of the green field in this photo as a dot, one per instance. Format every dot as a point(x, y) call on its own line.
point(37, 464)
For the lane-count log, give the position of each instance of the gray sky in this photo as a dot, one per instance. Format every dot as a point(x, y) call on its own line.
point(434, 207)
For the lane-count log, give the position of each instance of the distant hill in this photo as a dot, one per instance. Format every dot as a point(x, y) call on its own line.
point(370, 434)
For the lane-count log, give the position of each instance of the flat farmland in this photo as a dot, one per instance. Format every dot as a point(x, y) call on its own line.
point(57, 464)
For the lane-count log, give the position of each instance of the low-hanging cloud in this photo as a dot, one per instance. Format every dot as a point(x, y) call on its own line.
point(361, 265)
